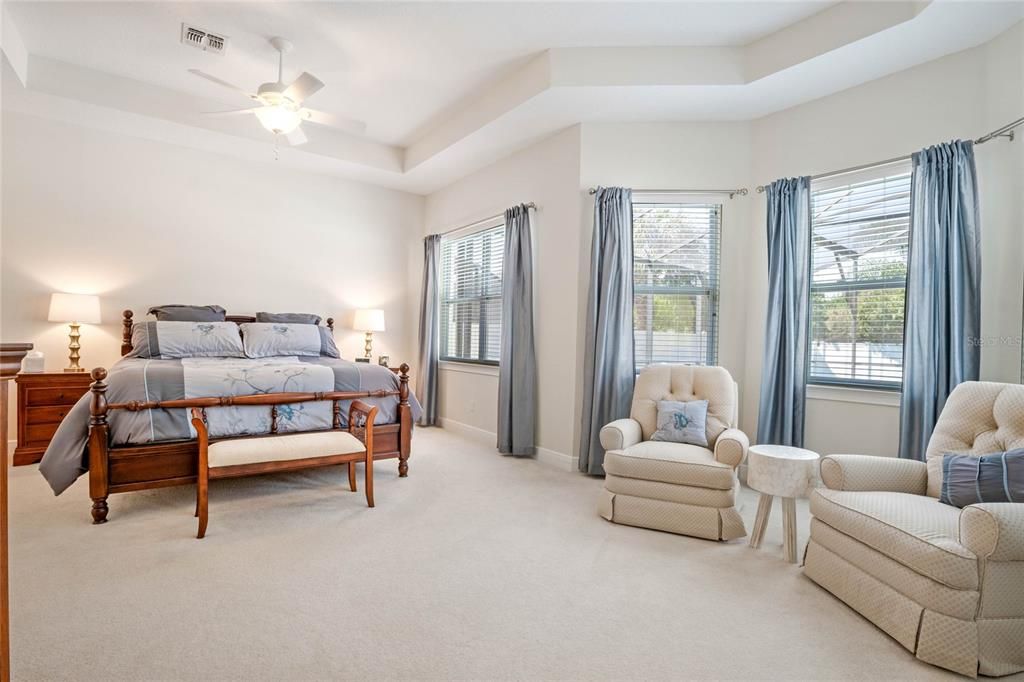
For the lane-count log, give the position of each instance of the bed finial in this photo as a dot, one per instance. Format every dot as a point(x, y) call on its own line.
point(126, 332)
point(330, 323)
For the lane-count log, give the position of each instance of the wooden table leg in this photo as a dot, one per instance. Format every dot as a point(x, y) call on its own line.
point(789, 529)
point(764, 510)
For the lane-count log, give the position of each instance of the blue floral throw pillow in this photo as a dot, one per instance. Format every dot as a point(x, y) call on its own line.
point(998, 477)
point(680, 422)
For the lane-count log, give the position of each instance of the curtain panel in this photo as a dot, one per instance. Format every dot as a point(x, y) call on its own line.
point(942, 329)
point(517, 369)
point(429, 336)
point(608, 365)
point(784, 370)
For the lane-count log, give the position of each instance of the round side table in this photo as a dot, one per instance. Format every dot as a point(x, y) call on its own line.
point(780, 471)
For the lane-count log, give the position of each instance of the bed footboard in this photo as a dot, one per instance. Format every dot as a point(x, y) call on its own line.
point(158, 465)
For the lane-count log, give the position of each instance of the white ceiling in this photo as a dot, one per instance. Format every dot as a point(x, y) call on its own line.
point(445, 87)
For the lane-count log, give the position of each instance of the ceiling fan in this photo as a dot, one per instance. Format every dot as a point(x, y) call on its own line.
point(280, 107)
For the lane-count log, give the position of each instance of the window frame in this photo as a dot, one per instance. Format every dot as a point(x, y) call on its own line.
point(469, 231)
point(714, 269)
point(880, 171)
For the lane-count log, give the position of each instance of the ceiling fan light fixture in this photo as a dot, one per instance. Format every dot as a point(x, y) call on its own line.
point(279, 119)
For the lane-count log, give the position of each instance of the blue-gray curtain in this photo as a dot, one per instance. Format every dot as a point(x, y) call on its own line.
point(517, 373)
point(426, 373)
point(780, 419)
point(608, 369)
point(943, 310)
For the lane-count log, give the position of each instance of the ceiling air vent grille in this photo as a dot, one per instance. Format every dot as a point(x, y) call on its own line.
point(203, 39)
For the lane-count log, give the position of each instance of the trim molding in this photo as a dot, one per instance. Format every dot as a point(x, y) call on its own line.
point(843, 394)
point(468, 368)
point(552, 458)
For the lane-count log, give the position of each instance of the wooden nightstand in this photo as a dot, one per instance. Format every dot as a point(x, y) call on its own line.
point(44, 399)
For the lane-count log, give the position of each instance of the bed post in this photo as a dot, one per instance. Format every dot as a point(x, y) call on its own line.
point(404, 420)
point(126, 332)
point(98, 443)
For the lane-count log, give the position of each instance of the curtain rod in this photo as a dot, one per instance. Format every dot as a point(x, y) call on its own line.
point(482, 220)
point(742, 191)
point(1006, 131)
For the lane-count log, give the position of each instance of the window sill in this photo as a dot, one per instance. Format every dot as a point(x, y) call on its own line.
point(468, 368)
point(844, 394)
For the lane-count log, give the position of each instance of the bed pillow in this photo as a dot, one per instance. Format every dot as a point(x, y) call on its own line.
point(170, 340)
point(680, 422)
point(188, 313)
point(294, 318)
point(998, 477)
point(270, 339)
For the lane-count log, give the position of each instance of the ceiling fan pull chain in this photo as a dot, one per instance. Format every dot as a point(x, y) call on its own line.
point(277, 155)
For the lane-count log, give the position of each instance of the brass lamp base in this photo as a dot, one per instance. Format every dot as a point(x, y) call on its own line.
point(369, 345)
point(73, 349)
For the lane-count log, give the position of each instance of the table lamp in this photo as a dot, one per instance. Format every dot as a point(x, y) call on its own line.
point(369, 320)
point(75, 309)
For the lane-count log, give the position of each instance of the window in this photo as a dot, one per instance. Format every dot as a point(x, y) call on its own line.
point(675, 282)
point(471, 296)
point(859, 236)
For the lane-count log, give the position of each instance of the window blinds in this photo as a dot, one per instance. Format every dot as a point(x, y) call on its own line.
point(471, 296)
point(675, 282)
point(859, 234)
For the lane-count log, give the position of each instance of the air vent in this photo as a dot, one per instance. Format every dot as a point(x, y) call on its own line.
point(203, 39)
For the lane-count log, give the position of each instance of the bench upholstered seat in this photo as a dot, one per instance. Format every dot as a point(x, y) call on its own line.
point(283, 447)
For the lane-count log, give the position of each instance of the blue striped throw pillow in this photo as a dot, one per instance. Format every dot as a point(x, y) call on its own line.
point(998, 477)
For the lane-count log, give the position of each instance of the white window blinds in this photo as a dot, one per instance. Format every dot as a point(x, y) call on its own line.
point(471, 296)
point(859, 232)
point(675, 282)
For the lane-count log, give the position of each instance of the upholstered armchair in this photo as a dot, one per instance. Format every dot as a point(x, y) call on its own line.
point(946, 583)
point(676, 487)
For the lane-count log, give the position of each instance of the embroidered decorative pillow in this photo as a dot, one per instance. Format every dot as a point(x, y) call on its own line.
point(293, 318)
point(680, 422)
point(188, 313)
point(170, 340)
point(270, 339)
point(998, 477)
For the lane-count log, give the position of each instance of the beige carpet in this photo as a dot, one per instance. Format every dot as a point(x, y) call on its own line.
point(476, 566)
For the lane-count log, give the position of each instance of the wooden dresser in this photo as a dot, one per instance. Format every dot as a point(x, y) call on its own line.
point(44, 399)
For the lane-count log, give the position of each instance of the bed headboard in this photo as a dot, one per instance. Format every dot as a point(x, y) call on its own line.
point(127, 321)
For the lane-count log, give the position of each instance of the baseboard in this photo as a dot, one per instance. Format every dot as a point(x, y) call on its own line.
point(558, 460)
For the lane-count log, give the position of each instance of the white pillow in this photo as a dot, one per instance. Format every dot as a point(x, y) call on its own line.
point(270, 339)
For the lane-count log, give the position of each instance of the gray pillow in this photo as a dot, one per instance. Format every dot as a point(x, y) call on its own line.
point(188, 313)
point(272, 339)
point(682, 422)
point(294, 318)
point(169, 340)
point(998, 477)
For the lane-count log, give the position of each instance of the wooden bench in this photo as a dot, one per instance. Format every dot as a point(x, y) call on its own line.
point(249, 456)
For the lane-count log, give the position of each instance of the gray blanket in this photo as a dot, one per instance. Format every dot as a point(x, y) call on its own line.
point(141, 379)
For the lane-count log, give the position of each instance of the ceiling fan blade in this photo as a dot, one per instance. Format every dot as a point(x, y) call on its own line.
point(341, 122)
point(223, 83)
point(231, 112)
point(303, 87)
point(296, 137)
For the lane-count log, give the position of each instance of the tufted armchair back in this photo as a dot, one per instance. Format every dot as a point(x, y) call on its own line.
point(685, 383)
point(979, 418)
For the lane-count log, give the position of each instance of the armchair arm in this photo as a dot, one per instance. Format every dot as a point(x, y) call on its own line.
point(620, 434)
point(731, 447)
point(871, 473)
point(994, 530)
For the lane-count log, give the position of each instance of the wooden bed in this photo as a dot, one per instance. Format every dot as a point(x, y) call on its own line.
point(126, 468)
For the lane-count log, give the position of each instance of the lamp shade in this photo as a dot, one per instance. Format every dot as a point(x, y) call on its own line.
point(81, 308)
point(368, 320)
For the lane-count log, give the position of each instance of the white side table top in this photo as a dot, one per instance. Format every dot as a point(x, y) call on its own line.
point(781, 470)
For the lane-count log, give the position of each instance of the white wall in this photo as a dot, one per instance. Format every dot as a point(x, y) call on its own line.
point(142, 223)
point(960, 96)
point(548, 174)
